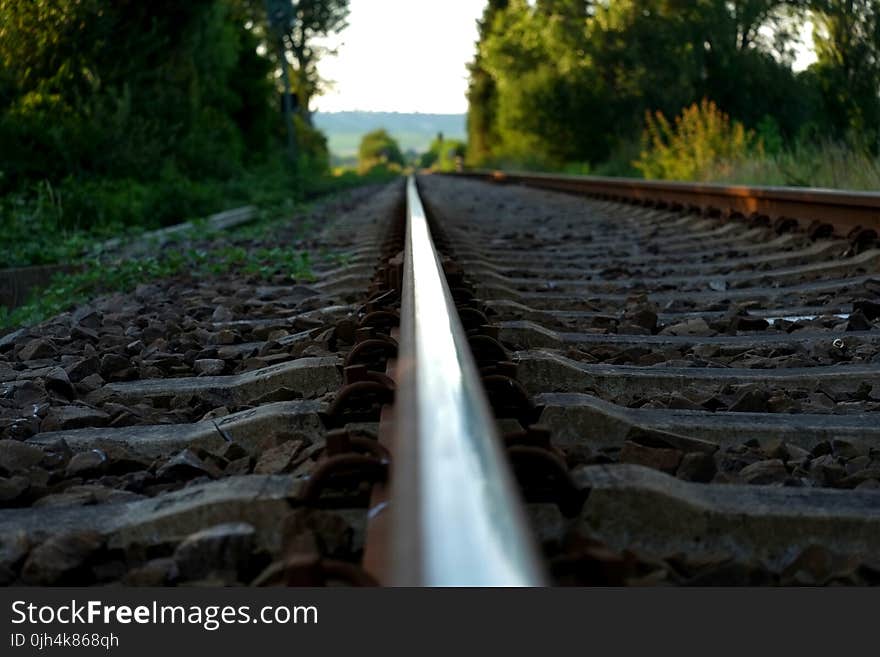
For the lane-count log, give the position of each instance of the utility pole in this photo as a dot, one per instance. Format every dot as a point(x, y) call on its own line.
point(281, 16)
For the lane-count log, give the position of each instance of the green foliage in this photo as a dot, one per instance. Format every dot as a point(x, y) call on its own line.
point(770, 135)
point(313, 19)
point(443, 154)
point(561, 81)
point(413, 131)
point(190, 253)
point(122, 116)
point(847, 74)
point(34, 230)
point(97, 89)
point(547, 98)
point(620, 161)
point(705, 145)
point(378, 148)
point(348, 178)
point(45, 224)
point(482, 94)
point(702, 142)
point(96, 277)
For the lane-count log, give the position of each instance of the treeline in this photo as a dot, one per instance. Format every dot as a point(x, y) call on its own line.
point(136, 112)
point(380, 151)
point(556, 82)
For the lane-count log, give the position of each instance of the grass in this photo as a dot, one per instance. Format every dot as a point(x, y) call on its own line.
point(100, 276)
point(189, 252)
point(46, 224)
point(828, 164)
point(825, 164)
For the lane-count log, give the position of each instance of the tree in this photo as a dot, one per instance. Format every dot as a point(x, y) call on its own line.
point(297, 24)
point(482, 93)
point(561, 81)
point(443, 154)
point(313, 19)
point(98, 88)
point(847, 37)
point(289, 29)
point(378, 148)
point(548, 96)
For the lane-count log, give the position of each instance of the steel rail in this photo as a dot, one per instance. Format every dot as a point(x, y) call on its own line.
point(457, 519)
point(842, 210)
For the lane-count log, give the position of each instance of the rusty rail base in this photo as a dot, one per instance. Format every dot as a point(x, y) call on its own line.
point(817, 210)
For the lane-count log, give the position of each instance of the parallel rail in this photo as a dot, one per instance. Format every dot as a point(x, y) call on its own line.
point(842, 211)
point(456, 514)
point(634, 328)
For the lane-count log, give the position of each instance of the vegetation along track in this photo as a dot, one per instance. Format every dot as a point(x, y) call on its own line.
point(681, 397)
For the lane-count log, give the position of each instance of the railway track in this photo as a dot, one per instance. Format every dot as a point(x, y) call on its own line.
point(493, 384)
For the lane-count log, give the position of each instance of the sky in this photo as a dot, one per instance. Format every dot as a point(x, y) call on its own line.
point(402, 56)
point(411, 56)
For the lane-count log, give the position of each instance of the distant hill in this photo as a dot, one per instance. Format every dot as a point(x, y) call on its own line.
point(412, 131)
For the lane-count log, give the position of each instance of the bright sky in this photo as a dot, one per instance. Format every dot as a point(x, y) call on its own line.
point(402, 56)
point(411, 56)
point(806, 53)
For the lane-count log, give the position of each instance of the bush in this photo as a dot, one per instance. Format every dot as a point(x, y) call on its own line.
point(702, 145)
point(443, 154)
point(33, 229)
point(378, 148)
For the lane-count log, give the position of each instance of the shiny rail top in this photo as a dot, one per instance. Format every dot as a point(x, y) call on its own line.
point(457, 514)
